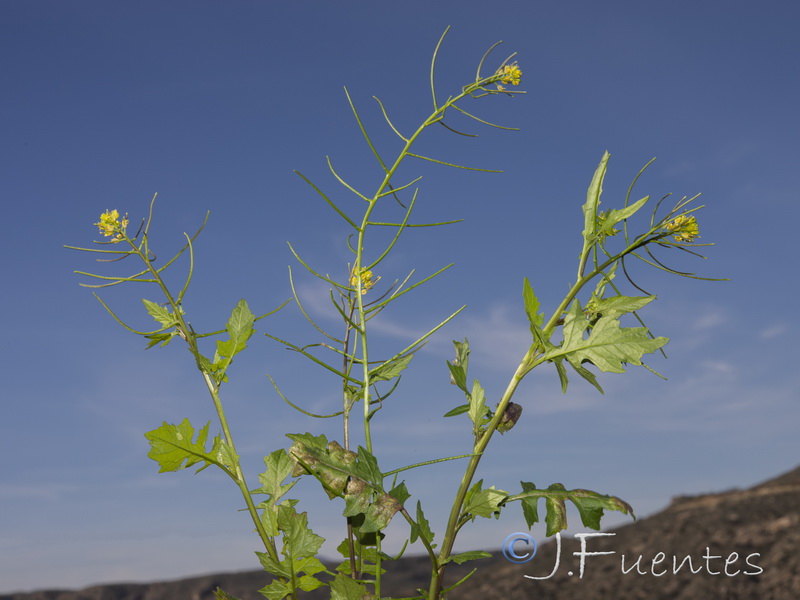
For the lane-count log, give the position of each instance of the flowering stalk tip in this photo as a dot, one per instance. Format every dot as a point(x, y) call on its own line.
point(509, 74)
point(111, 225)
point(366, 277)
point(683, 228)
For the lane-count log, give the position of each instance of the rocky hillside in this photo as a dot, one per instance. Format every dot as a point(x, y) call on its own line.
point(742, 545)
point(736, 545)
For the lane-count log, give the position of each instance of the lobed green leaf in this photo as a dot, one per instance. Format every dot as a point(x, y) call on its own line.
point(484, 502)
point(421, 528)
point(159, 313)
point(608, 346)
point(345, 588)
point(354, 476)
point(173, 448)
point(299, 541)
point(590, 505)
point(279, 467)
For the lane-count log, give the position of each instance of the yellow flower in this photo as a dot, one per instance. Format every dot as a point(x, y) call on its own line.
point(510, 74)
point(110, 225)
point(367, 281)
point(683, 228)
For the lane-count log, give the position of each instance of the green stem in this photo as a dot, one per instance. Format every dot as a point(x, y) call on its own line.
point(435, 117)
point(528, 362)
point(469, 474)
point(188, 335)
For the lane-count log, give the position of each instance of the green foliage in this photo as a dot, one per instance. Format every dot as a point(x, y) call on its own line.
point(173, 448)
point(592, 336)
point(345, 588)
point(481, 502)
point(220, 594)
point(421, 528)
point(463, 557)
point(608, 345)
point(353, 476)
point(239, 328)
point(590, 505)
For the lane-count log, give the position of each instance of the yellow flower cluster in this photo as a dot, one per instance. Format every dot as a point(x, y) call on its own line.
point(509, 74)
point(367, 280)
point(683, 228)
point(111, 225)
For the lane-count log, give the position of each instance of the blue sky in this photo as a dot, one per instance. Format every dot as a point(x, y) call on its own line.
point(213, 105)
